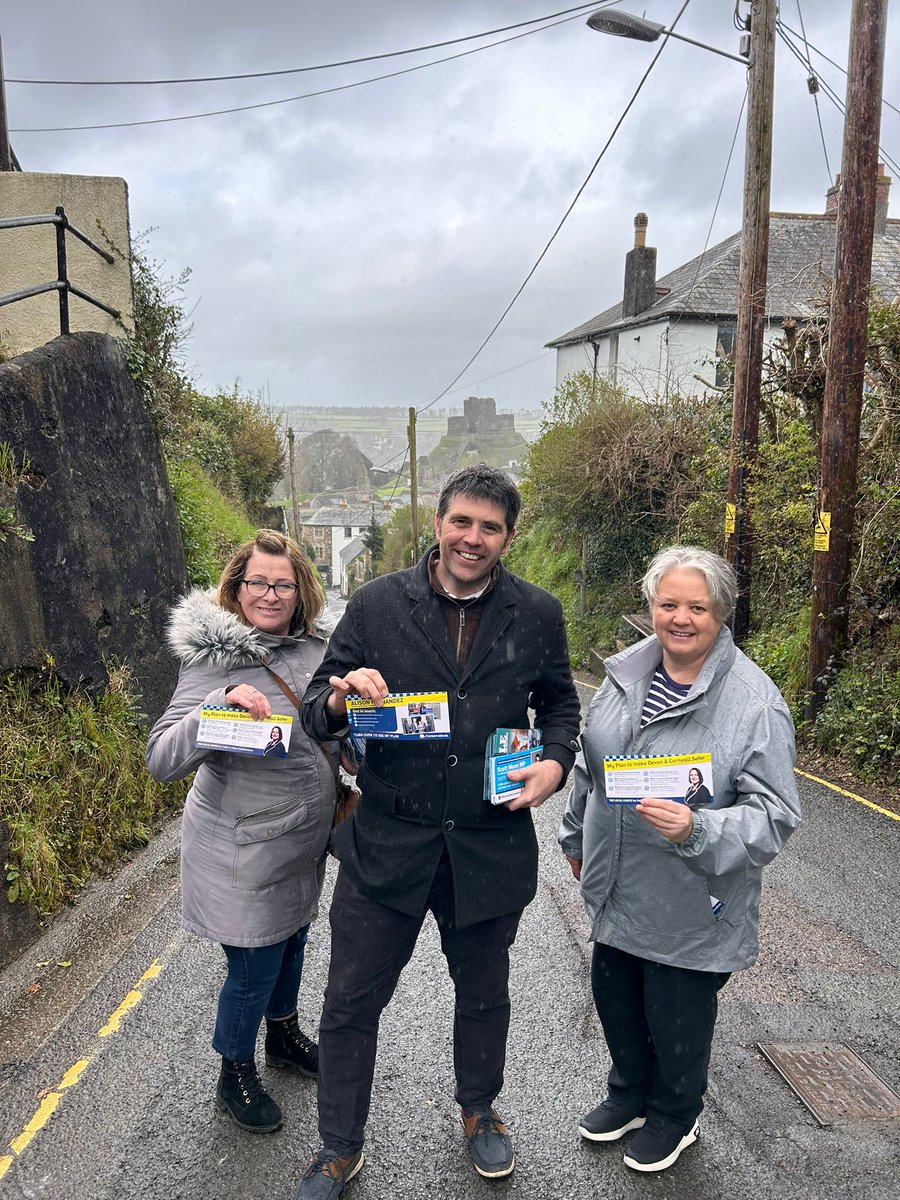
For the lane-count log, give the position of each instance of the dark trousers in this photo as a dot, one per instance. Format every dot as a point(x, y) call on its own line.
point(261, 980)
point(370, 946)
point(658, 1022)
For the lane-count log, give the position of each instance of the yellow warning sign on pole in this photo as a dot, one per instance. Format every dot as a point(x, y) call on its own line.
point(822, 537)
point(730, 518)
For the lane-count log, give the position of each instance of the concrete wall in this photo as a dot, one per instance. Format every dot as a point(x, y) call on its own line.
point(106, 561)
point(97, 206)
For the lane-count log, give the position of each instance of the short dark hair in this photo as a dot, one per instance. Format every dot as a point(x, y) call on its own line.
point(482, 482)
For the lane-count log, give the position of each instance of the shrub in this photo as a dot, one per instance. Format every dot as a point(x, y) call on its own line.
point(74, 791)
point(781, 650)
point(860, 720)
point(211, 526)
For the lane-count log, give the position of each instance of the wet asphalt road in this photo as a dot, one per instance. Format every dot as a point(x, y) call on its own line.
point(138, 1120)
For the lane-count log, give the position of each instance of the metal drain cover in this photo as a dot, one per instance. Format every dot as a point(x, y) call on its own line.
point(833, 1082)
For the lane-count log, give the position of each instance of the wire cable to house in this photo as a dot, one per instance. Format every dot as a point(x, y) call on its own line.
point(781, 24)
point(812, 84)
point(562, 221)
point(344, 87)
point(399, 473)
point(505, 371)
point(831, 94)
point(715, 212)
point(347, 62)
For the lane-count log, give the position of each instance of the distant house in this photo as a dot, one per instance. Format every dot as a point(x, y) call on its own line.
point(354, 564)
point(328, 530)
point(674, 334)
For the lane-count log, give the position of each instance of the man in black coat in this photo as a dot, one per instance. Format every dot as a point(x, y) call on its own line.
point(423, 837)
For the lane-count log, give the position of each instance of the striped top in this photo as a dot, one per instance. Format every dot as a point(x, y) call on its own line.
point(664, 692)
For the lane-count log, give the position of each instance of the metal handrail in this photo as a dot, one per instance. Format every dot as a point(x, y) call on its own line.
point(61, 284)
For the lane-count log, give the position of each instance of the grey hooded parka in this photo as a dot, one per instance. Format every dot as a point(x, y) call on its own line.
point(255, 829)
point(693, 905)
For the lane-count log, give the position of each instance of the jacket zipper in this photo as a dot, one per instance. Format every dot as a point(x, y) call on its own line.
point(462, 625)
point(263, 814)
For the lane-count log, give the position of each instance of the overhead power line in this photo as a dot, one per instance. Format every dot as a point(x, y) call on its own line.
point(563, 220)
point(346, 62)
point(812, 83)
point(715, 212)
point(219, 112)
point(784, 27)
point(829, 91)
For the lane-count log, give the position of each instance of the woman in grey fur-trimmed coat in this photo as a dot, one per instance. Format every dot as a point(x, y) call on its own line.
point(255, 827)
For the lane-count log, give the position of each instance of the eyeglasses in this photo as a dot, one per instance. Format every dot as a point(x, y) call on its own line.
point(259, 588)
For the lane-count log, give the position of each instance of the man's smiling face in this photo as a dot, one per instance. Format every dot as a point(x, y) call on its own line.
point(472, 535)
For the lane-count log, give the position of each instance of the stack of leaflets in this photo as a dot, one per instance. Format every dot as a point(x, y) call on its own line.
point(508, 750)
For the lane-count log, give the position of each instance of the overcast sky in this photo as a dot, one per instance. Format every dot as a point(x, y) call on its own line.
point(357, 247)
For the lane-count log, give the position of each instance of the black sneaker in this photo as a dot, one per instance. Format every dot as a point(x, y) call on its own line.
point(490, 1145)
point(609, 1121)
point(656, 1147)
point(327, 1174)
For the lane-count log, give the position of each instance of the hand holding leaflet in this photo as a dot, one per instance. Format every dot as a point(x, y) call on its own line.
point(235, 729)
point(680, 777)
point(400, 716)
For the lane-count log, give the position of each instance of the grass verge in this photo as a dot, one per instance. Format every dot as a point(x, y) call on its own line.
point(74, 792)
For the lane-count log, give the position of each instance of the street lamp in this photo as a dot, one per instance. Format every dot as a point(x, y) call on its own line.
point(639, 29)
point(751, 314)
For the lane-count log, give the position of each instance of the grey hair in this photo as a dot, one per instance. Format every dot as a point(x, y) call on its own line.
point(718, 574)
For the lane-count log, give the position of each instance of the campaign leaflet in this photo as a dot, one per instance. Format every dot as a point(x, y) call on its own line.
point(508, 750)
point(401, 717)
point(235, 730)
point(683, 777)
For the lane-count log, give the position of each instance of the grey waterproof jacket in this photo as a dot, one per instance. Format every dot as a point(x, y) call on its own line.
point(255, 828)
point(692, 905)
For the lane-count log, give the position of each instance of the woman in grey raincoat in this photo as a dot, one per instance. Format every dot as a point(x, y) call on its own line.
point(255, 827)
point(672, 893)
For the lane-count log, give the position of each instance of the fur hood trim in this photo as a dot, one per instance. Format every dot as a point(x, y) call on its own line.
point(200, 631)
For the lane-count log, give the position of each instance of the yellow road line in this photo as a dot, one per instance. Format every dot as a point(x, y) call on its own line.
point(112, 1025)
point(885, 812)
point(51, 1100)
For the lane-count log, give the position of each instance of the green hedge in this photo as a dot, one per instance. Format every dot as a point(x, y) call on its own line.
point(74, 791)
point(211, 525)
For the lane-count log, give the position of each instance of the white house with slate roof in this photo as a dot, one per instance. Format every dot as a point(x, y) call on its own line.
point(332, 528)
point(671, 335)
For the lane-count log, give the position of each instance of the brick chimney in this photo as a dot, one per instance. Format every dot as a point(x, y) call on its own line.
point(640, 272)
point(882, 194)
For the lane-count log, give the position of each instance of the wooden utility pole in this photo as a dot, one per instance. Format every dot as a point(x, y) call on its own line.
point(6, 163)
point(295, 505)
point(413, 486)
point(847, 342)
point(751, 305)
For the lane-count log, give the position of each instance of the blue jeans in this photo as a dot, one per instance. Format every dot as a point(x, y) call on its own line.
point(261, 980)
